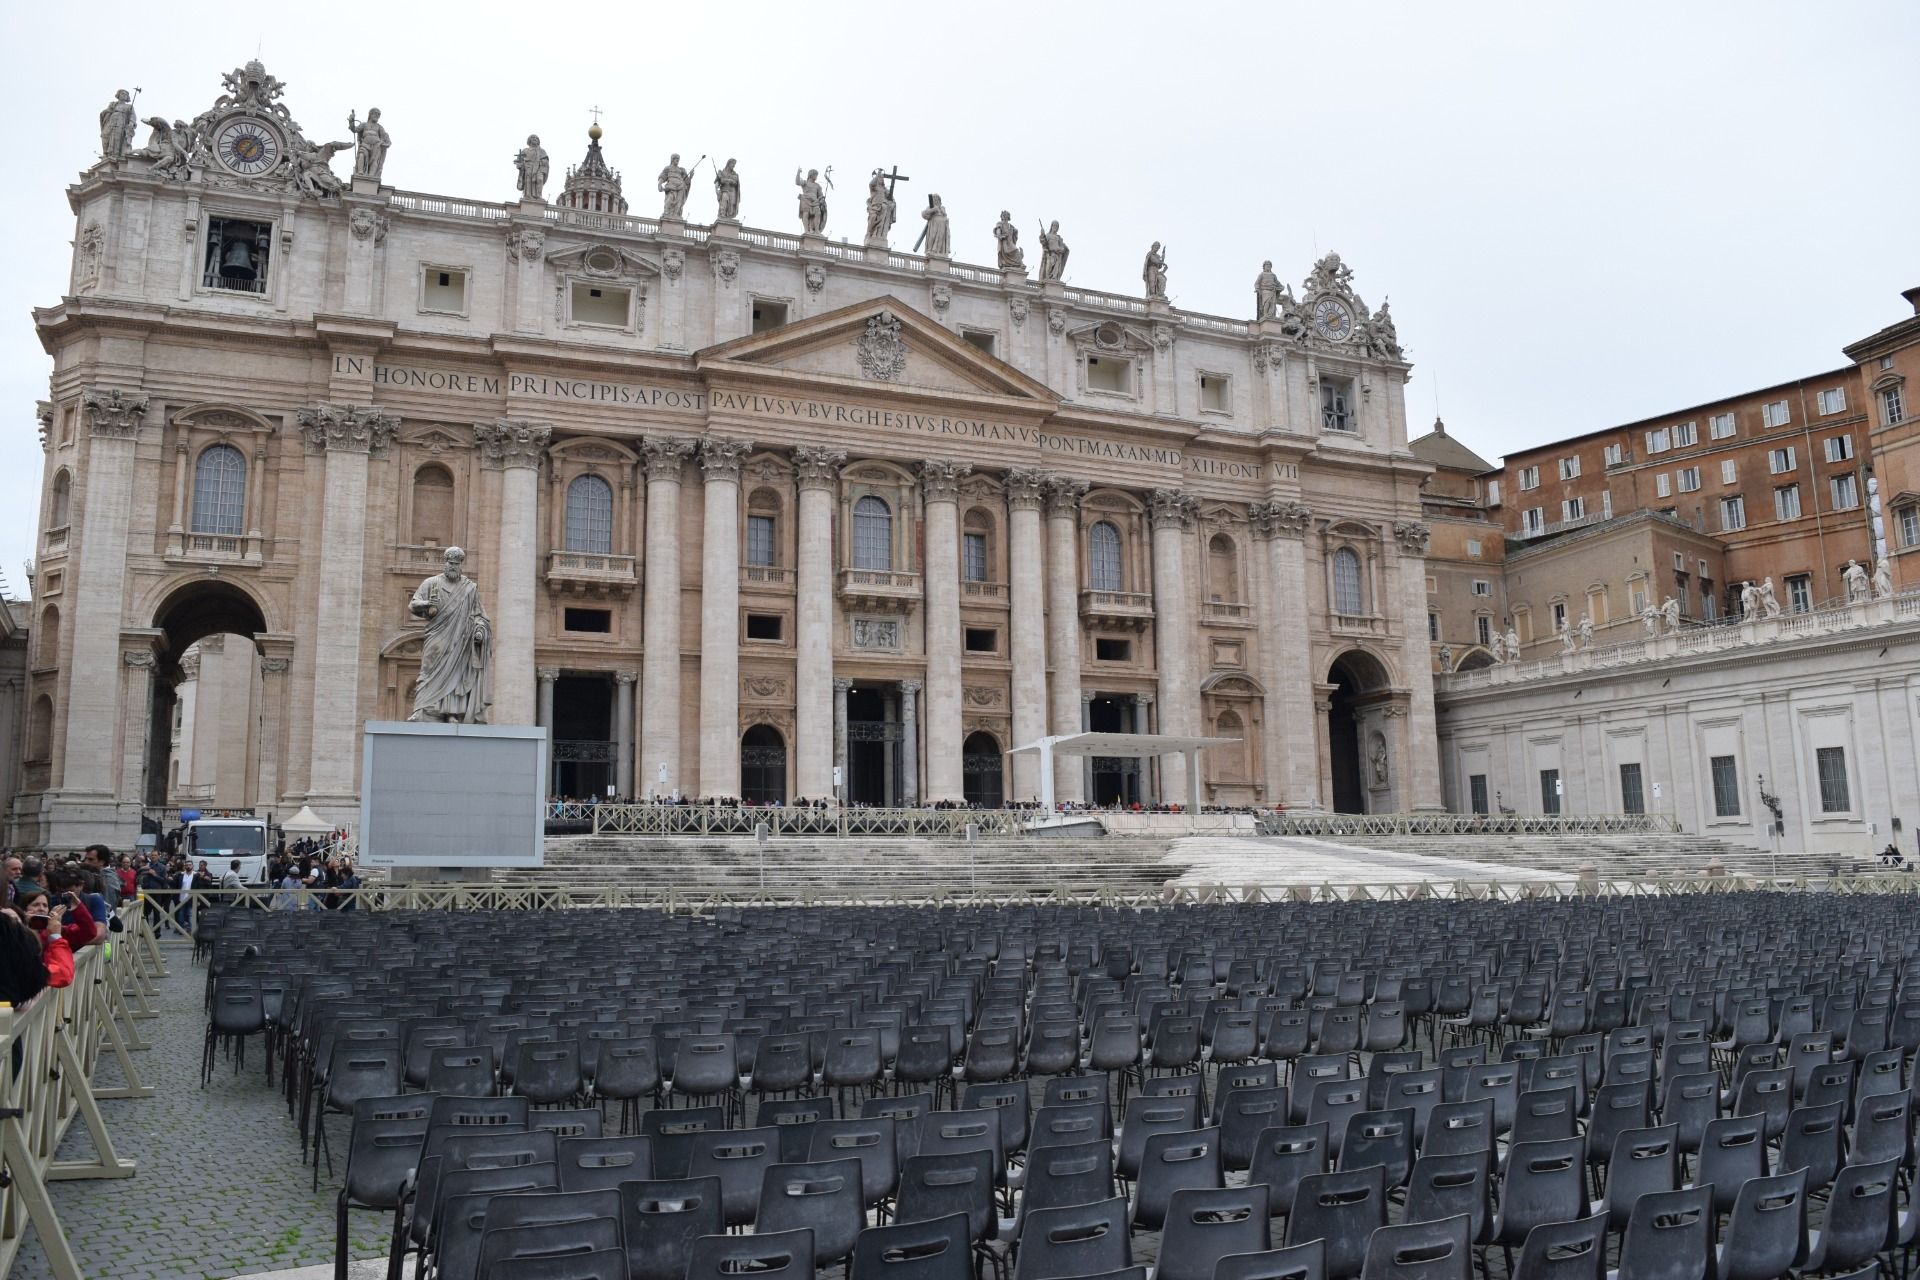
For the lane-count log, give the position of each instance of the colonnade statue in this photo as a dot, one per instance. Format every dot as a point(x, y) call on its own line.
point(456, 658)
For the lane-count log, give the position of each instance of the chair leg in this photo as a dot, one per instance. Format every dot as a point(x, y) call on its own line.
point(340, 1236)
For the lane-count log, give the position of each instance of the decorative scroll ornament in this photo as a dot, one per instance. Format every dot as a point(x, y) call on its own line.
point(526, 244)
point(1172, 508)
point(1280, 519)
point(1063, 495)
point(942, 479)
point(1413, 536)
point(720, 457)
point(513, 442)
point(816, 277)
point(353, 428)
point(364, 222)
point(1026, 489)
point(114, 413)
point(881, 352)
point(666, 455)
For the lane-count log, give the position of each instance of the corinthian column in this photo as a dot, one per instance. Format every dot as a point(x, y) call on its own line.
point(1172, 628)
point(347, 437)
point(1026, 489)
point(1293, 754)
point(1063, 624)
point(720, 617)
point(945, 780)
point(660, 625)
point(623, 733)
point(1421, 767)
point(818, 474)
point(514, 448)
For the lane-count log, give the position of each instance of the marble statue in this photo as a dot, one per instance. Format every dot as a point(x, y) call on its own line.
point(673, 183)
point(1053, 252)
point(1749, 600)
point(370, 155)
point(166, 148)
point(1882, 579)
point(1768, 604)
point(1446, 657)
point(813, 202)
point(531, 164)
point(1586, 631)
point(1154, 271)
point(456, 654)
point(1513, 645)
point(1670, 613)
point(1377, 756)
point(1007, 236)
point(1855, 579)
point(1650, 619)
point(116, 127)
point(1566, 637)
point(1498, 647)
point(310, 168)
point(726, 191)
point(1266, 292)
point(939, 236)
point(880, 208)
point(1382, 338)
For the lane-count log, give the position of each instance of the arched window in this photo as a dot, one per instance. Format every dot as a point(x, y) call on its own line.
point(976, 547)
point(1223, 576)
point(62, 500)
point(590, 515)
point(433, 506)
point(872, 534)
point(220, 491)
point(40, 729)
point(1347, 596)
point(1103, 558)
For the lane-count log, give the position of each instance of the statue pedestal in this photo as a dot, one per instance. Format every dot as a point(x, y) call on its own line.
point(676, 227)
point(939, 264)
point(1013, 276)
point(536, 209)
point(726, 229)
point(1052, 289)
point(364, 186)
point(876, 251)
point(813, 242)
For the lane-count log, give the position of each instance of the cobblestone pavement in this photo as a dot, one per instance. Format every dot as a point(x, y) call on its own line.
point(220, 1189)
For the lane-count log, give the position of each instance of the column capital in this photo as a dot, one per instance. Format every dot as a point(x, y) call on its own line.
point(1280, 519)
point(665, 455)
point(512, 442)
point(348, 428)
point(942, 479)
point(1064, 494)
point(841, 685)
point(721, 456)
point(113, 413)
point(1412, 536)
point(1026, 489)
point(1086, 699)
point(274, 666)
point(816, 468)
point(1172, 508)
point(910, 686)
point(137, 657)
point(626, 677)
point(547, 675)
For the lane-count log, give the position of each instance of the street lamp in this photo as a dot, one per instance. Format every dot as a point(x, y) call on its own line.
point(1779, 828)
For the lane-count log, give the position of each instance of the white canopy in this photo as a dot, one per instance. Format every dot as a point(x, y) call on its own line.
point(1135, 745)
point(306, 823)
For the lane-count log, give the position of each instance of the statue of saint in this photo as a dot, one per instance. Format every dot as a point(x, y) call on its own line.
point(1882, 579)
point(726, 190)
point(1446, 657)
point(457, 654)
point(1498, 647)
point(880, 208)
point(1007, 236)
point(310, 169)
point(1749, 600)
point(1383, 337)
point(939, 237)
point(1154, 271)
point(1513, 645)
point(166, 148)
point(1855, 579)
point(116, 127)
point(370, 155)
point(1377, 756)
point(813, 202)
point(1053, 252)
point(1670, 611)
point(1769, 605)
point(1266, 292)
point(1566, 637)
point(673, 183)
point(1586, 631)
point(1650, 619)
point(531, 164)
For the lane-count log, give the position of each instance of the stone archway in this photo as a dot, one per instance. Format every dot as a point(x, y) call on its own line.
point(1355, 762)
point(983, 770)
point(763, 765)
point(217, 702)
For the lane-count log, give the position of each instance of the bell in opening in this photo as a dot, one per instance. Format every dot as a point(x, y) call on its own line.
point(236, 259)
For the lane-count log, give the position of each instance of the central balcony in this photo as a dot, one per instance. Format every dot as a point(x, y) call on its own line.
point(766, 577)
point(1118, 608)
point(880, 589)
point(591, 574)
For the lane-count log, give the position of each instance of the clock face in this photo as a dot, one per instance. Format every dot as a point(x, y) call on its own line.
point(247, 147)
point(1332, 319)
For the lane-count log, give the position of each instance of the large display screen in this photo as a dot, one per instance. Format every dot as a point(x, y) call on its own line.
point(453, 795)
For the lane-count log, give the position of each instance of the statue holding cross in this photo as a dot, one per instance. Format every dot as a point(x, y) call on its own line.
point(880, 204)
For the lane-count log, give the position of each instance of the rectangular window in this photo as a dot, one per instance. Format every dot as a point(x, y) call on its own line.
point(1213, 393)
point(238, 253)
point(1729, 471)
point(1720, 426)
point(592, 621)
point(768, 315)
point(760, 551)
point(1106, 650)
point(1477, 792)
point(1550, 791)
point(1774, 413)
point(1831, 763)
point(1633, 798)
point(1733, 513)
point(1910, 526)
point(1780, 461)
point(1839, 448)
point(443, 289)
point(1679, 562)
point(1639, 601)
point(763, 626)
point(1786, 502)
point(1573, 508)
point(1493, 493)
point(1529, 477)
point(978, 338)
point(1336, 399)
point(1662, 486)
point(1433, 628)
point(1709, 607)
point(1660, 441)
point(975, 566)
point(1473, 548)
point(1846, 492)
point(1892, 406)
point(1570, 468)
point(1482, 587)
point(982, 640)
point(1483, 629)
point(1833, 400)
point(1533, 521)
point(1799, 592)
point(1685, 434)
point(1726, 787)
point(1688, 479)
point(1704, 572)
point(1614, 454)
point(1559, 616)
point(601, 304)
point(1110, 375)
point(1606, 505)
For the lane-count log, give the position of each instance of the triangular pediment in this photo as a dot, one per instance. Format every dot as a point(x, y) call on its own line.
point(878, 344)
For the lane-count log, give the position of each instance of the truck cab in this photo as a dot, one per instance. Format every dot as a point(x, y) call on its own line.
point(223, 841)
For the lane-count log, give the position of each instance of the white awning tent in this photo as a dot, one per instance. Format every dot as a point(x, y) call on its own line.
point(306, 823)
point(1125, 745)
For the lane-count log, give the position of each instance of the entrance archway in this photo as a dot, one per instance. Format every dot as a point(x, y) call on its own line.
point(1116, 779)
point(763, 766)
point(207, 728)
point(1356, 677)
point(874, 735)
point(982, 765)
point(583, 747)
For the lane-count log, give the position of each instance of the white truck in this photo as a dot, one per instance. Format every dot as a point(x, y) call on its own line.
point(220, 842)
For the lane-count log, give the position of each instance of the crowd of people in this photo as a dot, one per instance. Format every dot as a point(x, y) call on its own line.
point(49, 912)
point(305, 879)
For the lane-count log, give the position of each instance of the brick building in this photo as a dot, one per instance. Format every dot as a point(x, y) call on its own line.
point(1466, 595)
point(1888, 374)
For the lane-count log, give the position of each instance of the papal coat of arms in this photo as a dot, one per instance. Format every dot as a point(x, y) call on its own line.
point(881, 351)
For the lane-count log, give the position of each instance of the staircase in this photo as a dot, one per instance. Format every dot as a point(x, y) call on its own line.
point(1643, 855)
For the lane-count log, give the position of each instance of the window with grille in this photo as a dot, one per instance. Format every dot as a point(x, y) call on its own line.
point(1335, 394)
point(974, 548)
point(1726, 787)
point(872, 534)
point(1550, 791)
point(1831, 764)
point(1103, 558)
point(590, 516)
point(1477, 792)
point(220, 491)
point(760, 547)
point(1633, 798)
point(1347, 597)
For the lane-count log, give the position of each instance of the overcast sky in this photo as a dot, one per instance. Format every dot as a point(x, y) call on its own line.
point(1583, 213)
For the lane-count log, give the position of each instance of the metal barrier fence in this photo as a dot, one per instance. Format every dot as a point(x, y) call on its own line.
point(1465, 824)
point(732, 820)
point(59, 1037)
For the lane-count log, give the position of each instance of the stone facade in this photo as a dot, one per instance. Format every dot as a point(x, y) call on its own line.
point(746, 507)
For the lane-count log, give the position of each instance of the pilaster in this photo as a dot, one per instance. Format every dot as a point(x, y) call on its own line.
point(819, 703)
point(515, 447)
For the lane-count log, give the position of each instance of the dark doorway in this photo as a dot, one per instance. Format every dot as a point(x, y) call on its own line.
point(583, 748)
point(195, 612)
point(1355, 676)
point(763, 766)
point(981, 766)
point(873, 746)
point(1116, 779)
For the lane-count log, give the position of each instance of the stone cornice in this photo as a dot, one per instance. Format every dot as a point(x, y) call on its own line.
point(513, 442)
point(348, 428)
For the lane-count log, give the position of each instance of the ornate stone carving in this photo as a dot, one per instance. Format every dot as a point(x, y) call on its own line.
point(626, 677)
point(911, 687)
point(942, 298)
point(116, 127)
point(189, 666)
point(90, 242)
point(1056, 320)
point(726, 192)
point(43, 420)
point(113, 413)
point(1063, 495)
point(1007, 236)
point(880, 350)
point(1053, 253)
point(1383, 340)
point(1412, 535)
point(526, 244)
point(1026, 489)
point(979, 695)
point(137, 657)
point(1163, 338)
point(531, 167)
point(547, 675)
point(817, 468)
point(773, 688)
point(354, 428)
point(1274, 356)
point(721, 456)
point(672, 263)
point(665, 455)
point(938, 237)
point(672, 184)
point(816, 277)
point(1017, 309)
point(876, 633)
point(274, 666)
point(813, 202)
point(1280, 519)
point(942, 479)
point(512, 442)
point(364, 223)
point(726, 266)
point(1172, 508)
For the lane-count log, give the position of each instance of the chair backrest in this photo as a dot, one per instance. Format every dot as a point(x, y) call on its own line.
point(1543, 1115)
point(661, 1218)
point(1812, 1142)
point(824, 1197)
point(1767, 1232)
point(1669, 1236)
point(1344, 1209)
point(1446, 1186)
point(1203, 1225)
point(1860, 1215)
point(1145, 1116)
point(933, 1186)
point(1644, 1160)
point(777, 1255)
point(672, 1131)
point(1733, 1150)
point(388, 1137)
point(871, 1142)
point(1545, 1182)
point(1307, 1261)
point(1456, 1127)
point(1575, 1250)
point(600, 1264)
point(1379, 1137)
point(1059, 1176)
point(564, 1240)
point(1174, 1162)
point(1439, 1250)
point(1074, 1240)
point(1284, 1154)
